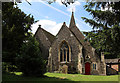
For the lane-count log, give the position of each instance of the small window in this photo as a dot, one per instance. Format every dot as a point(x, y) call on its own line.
point(94, 66)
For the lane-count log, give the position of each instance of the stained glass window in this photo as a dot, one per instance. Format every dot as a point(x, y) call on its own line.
point(64, 52)
point(60, 55)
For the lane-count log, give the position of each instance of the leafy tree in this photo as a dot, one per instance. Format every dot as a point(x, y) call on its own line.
point(105, 35)
point(30, 60)
point(15, 29)
point(64, 2)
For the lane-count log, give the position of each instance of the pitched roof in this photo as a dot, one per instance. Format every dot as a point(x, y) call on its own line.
point(112, 60)
point(50, 37)
point(79, 35)
point(63, 26)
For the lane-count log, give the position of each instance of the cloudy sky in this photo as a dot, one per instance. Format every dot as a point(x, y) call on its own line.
point(52, 16)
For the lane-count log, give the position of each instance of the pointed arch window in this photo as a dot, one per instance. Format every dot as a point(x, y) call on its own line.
point(64, 52)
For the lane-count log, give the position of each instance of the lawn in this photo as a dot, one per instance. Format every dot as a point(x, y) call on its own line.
point(60, 77)
point(78, 77)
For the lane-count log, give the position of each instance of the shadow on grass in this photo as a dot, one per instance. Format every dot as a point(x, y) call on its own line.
point(12, 78)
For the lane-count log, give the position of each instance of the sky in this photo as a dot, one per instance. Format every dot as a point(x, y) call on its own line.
point(52, 16)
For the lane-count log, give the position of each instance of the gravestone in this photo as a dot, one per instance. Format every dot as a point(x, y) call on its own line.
point(65, 69)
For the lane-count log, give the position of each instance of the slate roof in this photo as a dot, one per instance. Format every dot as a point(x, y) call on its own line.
point(50, 37)
point(112, 60)
point(79, 35)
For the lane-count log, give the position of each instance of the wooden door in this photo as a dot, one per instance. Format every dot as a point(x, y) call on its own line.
point(87, 68)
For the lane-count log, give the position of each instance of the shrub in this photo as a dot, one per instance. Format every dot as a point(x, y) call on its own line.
point(30, 60)
point(8, 67)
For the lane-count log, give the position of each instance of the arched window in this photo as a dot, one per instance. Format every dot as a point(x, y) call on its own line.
point(64, 52)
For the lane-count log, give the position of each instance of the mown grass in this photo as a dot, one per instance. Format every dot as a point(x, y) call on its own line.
point(59, 77)
point(78, 77)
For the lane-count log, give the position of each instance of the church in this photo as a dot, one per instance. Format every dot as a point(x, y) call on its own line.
point(67, 52)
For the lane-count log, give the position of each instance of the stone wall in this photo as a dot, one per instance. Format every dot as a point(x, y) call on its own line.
point(78, 55)
point(43, 42)
point(80, 51)
point(88, 50)
point(65, 35)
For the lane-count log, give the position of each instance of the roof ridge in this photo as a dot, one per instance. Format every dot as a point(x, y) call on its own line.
point(75, 36)
point(47, 31)
point(50, 36)
point(81, 38)
point(64, 25)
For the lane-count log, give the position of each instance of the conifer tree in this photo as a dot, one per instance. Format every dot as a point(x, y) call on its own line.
point(105, 34)
point(15, 29)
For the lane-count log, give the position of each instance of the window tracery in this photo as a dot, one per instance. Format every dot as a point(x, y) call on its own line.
point(64, 52)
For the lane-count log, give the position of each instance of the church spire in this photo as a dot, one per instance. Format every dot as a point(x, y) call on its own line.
point(72, 21)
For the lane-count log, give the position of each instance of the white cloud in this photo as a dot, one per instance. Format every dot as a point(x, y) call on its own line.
point(53, 27)
point(72, 7)
point(59, 2)
point(106, 8)
point(48, 25)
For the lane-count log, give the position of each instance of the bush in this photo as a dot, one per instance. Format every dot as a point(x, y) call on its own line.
point(30, 60)
point(8, 67)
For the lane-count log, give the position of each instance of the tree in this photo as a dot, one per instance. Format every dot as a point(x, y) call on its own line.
point(15, 29)
point(64, 2)
point(105, 35)
point(30, 60)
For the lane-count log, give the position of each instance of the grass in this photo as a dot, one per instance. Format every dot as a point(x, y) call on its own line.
point(78, 77)
point(59, 77)
point(18, 77)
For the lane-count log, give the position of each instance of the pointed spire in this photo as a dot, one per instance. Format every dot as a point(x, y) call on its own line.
point(72, 21)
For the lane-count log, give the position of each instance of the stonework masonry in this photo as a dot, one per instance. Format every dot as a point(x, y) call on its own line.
point(69, 53)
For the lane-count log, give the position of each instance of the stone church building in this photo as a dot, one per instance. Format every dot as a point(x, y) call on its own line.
point(67, 52)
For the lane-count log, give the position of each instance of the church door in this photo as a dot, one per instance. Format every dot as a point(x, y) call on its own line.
point(87, 68)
